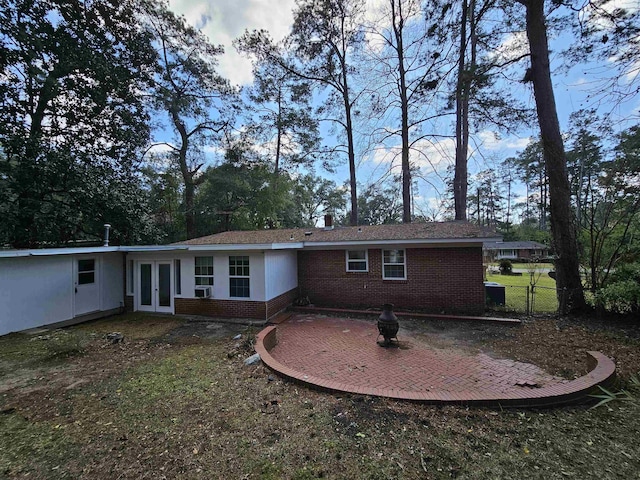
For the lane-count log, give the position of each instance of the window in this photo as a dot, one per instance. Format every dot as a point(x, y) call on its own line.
point(393, 265)
point(357, 261)
point(86, 271)
point(178, 277)
point(130, 277)
point(204, 270)
point(239, 276)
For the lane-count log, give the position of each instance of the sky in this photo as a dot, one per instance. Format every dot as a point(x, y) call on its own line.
point(224, 20)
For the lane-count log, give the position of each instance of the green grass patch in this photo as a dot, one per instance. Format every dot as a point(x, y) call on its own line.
point(28, 448)
point(133, 325)
point(544, 299)
point(18, 350)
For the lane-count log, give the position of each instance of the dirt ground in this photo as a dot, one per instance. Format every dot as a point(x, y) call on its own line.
point(175, 400)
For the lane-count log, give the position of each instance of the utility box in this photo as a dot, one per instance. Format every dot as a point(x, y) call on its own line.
point(494, 293)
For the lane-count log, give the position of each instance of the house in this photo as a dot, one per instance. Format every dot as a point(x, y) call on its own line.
point(523, 251)
point(250, 274)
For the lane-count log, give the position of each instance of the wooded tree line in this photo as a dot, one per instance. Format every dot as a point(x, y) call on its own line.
point(115, 112)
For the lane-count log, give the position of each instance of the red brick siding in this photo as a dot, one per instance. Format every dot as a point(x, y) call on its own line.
point(220, 308)
point(234, 308)
point(281, 302)
point(438, 279)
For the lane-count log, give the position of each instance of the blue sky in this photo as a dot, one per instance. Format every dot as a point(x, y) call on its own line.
point(223, 21)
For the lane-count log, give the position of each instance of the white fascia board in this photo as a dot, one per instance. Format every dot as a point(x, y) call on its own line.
point(56, 251)
point(153, 248)
point(439, 241)
point(244, 246)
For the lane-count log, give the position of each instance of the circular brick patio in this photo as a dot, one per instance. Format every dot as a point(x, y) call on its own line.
point(342, 355)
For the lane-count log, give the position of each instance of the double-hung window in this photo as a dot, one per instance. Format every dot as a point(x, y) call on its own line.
point(357, 261)
point(394, 266)
point(204, 271)
point(239, 276)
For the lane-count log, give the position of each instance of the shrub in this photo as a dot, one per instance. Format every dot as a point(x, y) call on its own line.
point(622, 294)
point(619, 297)
point(506, 267)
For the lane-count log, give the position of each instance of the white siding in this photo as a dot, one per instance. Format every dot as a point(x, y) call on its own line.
point(281, 272)
point(220, 271)
point(39, 290)
point(112, 284)
point(221, 276)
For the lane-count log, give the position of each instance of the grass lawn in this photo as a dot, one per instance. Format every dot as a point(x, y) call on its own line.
point(544, 300)
point(171, 403)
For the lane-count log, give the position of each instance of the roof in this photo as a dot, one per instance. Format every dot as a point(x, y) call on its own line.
point(41, 252)
point(435, 232)
point(522, 245)
point(441, 233)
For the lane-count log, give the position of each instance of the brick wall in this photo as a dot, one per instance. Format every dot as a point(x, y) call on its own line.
point(438, 279)
point(212, 307)
point(281, 302)
point(128, 303)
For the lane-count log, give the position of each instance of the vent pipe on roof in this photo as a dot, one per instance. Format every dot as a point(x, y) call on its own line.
point(328, 222)
point(106, 235)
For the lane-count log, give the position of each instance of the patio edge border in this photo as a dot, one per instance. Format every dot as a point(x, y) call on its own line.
point(602, 372)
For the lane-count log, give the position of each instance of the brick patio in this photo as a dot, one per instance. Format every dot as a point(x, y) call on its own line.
point(342, 355)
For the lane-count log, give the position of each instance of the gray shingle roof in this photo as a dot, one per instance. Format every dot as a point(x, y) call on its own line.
point(413, 231)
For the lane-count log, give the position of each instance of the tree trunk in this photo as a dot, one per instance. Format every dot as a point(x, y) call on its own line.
point(398, 26)
point(568, 281)
point(187, 175)
point(462, 123)
point(353, 219)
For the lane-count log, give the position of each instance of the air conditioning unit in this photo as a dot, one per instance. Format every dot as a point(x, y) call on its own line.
point(203, 291)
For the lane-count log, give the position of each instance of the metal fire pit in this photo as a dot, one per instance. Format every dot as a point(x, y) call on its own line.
point(388, 325)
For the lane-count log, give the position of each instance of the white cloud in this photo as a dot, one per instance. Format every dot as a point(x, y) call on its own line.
point(223, 21)
point(436, 155)
point(488, 140)
point(513, 46)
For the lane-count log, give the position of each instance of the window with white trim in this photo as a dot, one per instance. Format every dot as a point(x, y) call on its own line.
point(357, 261)
point(394, 265)
point(204, 270)
point(239, 276)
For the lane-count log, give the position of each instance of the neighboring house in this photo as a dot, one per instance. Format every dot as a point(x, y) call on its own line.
point(518, 251)
point(251, 274)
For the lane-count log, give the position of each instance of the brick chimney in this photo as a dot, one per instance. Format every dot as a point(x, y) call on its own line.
point(328, 222)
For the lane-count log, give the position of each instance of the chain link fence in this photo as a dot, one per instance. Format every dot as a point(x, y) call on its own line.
point(529, 299)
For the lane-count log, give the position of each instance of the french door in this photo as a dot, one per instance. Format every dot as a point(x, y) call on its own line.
point(155, 286)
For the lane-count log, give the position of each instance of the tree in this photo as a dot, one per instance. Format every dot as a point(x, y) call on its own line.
point(284, 122)
point(479, 99)
point(611, 204)
point(316, 196)
point(319, 49)
point(191, 92)
point(164, 192)
point(530, 166)
point(568, 281)
point(72, 120)
point(488, 198)
point(608, 31)
point(380, 205)
point(409, 65)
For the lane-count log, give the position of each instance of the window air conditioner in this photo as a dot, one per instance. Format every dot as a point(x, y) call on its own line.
point(203, 292)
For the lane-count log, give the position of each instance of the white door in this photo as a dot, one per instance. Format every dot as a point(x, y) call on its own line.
point(155, 286)
point(86, 273)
